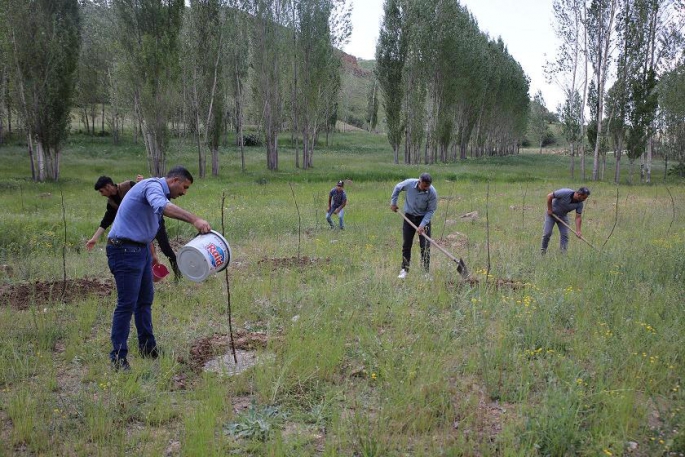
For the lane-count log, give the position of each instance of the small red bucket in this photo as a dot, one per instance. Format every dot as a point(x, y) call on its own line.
point(159, 272)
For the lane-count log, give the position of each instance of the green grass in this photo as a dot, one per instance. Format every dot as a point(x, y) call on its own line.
point(584, 356)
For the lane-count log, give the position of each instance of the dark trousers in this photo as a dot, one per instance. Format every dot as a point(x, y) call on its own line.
point(163, 241)
point(408, 239)
point(131, 265)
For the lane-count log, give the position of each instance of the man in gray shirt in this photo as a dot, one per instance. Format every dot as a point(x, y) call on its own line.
point(559, 204)
point(420, 203)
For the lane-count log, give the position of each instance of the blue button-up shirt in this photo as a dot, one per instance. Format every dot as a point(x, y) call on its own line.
point(417, 202)
point(141, 210)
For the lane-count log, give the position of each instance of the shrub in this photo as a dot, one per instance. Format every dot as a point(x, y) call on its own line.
point(251, 140)
point(549, 139)
point(677, 170)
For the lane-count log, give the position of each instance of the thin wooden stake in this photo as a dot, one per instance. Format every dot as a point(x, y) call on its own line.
point(615, 222)
point(673, 207)
point(487, 230)
point(299, 221)
point(228, 287)
point(64, 250)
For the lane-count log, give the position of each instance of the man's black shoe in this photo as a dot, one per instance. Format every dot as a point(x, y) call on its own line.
point(121, 365)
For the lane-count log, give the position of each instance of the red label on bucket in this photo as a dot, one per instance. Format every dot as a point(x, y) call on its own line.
point(217, 254)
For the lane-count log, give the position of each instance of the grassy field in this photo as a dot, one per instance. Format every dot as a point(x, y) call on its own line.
point(576, 354)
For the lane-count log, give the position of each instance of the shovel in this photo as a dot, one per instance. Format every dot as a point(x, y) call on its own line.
point(461, 266)
point(561, 221)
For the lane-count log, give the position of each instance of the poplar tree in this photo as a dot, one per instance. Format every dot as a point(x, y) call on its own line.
point(317, 67)
point(44, 41)
point(671, 90)
point(539, 120)
point(236, 71)
point(206, 65)
point(601, 15)
point(148, 39)
point(569, 71)
point(391, 52)
point(268, 42)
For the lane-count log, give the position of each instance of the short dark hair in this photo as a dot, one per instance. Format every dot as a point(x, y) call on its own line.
point(425, 177)
point(584, 190)
point(102, 182)
point(180, 172)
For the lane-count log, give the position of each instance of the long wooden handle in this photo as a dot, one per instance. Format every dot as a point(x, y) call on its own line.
point(461, 266)
point(569, 227)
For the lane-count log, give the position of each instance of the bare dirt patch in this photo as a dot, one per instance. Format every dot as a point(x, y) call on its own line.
point(481, 422)
point(22, 296)
point(285, 262)
point(207, 348)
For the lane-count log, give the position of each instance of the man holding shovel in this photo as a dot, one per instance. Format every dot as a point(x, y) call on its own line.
point(559, 204)
point(420, 203)
point(130, 261)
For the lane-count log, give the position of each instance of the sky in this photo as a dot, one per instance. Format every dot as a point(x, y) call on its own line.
point(524, 25)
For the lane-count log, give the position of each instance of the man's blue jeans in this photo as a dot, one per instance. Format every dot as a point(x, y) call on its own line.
point(341, 216)
point(131, 265)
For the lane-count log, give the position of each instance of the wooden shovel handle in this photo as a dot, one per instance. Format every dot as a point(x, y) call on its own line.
point(569, 227)
point(461, 266)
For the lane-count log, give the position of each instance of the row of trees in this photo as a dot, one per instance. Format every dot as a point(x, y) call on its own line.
point(164, 62)
point(445, 85)
point(624, 60)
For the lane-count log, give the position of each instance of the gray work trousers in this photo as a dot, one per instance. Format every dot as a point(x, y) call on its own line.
point(547, 232)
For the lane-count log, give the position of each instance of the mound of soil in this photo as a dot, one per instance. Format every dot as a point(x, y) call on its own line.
point(209, 347)
point(22, 296)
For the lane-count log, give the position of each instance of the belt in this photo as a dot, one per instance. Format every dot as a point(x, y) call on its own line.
point(122, 241)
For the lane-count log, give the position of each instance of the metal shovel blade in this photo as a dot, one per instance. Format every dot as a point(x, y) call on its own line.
point(461, 268)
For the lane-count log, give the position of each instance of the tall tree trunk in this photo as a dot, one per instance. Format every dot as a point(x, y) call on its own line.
point(239, 120)
point(618, 152)
point(31, 159)
point(603, 45)
point(572, 166)
point(40, 161)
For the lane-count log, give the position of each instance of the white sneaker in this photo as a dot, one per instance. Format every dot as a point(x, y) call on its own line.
point(403, 274)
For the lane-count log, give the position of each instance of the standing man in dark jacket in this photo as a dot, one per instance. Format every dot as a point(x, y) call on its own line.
point(420, 203)
point(559, 204)
point(114, 194)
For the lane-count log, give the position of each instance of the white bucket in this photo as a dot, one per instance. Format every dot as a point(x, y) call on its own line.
point(204, 255)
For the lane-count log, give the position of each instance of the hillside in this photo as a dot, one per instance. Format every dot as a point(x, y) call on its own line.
point(357, 80)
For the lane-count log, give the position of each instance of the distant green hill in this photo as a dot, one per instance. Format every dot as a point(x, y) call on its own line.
point(357, 80)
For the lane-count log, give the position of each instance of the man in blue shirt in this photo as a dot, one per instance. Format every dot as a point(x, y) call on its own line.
point(337, 200)
point(130, 261)
point(114, 194)
point(559, 204)
point(420, 203)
